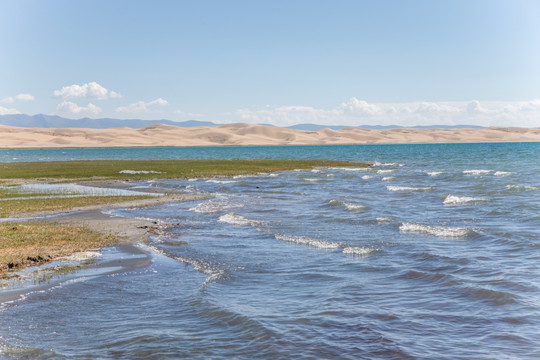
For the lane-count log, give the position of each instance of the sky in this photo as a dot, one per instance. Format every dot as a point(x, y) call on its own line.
point(339, 62)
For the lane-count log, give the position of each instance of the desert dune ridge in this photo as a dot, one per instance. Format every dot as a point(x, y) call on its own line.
point(241, 134)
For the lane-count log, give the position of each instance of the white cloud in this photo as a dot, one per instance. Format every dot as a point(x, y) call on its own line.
point(91, 90)
point(355, 112)
point(20, 97)
point(6, 111)
point(70, 108)
point(141, 106)
point(114, 95)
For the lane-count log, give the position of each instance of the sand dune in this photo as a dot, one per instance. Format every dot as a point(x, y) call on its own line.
point(249, 134)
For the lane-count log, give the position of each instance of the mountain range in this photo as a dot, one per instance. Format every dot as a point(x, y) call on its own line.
point(53, 121)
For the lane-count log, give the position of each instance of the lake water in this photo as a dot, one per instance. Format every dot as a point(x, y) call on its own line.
point(432, 253)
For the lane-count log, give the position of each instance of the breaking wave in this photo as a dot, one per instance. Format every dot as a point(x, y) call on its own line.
point(348, 205)
point(359, 251)
point(439, 231)
point(235, 219)
point(406, 188)
point(477, 172)
point(303, 240)
point(457, 200)
point(216, 181)
point(215, 206)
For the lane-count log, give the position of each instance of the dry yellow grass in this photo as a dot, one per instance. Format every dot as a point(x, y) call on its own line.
point(35, 243)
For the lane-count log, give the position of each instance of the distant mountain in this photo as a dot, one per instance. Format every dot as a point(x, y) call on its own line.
point(51, 121)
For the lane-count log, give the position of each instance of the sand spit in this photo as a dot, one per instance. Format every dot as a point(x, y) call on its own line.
point(247, 134)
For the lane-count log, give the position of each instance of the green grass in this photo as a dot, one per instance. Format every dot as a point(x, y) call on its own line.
point(35, 243)
point(110, 169)
point(30, 205)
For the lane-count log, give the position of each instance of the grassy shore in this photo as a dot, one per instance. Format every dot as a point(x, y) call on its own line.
point(152, 169)
point(32, 243)
point(27, 244)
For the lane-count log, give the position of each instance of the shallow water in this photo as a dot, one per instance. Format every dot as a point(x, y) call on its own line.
point(431, 253)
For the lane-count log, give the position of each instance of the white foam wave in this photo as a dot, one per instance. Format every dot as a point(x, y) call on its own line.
point(365, 177)
point(388, 178)
point(503, 173)
point(302, 240)
point(407, 188)
point(354, 207)
point(439, 231)
point(376, 163)
point(215, 206)
point(348, 205)
point(386, 171)
point(477, 172)
point(348, 168)
point(435, 173)
point(216, 181)
point(457, 200)
point(235, 219)
point(383, 220)
point(359, 251)
point(311, 180)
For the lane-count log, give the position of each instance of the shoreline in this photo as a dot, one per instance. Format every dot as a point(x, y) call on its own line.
point(498, 141)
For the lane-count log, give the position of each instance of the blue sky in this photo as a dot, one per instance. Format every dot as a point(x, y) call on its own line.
point(280, 62)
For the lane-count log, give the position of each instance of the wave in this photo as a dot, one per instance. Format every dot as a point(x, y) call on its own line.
point(388, 178)
point(376, 163)
point(503, 173)
point(348, 168)
point(406, 188)
point(311, 179)
point(215, 206)
point(303, 240)
point(477, 172)
point(348, 205)
point(235, 219)
point(458, 200)
point(435, 173)
point(360, 251)
point(439, 231)
point(216, 181)
point(365, 177)
point(203, 267)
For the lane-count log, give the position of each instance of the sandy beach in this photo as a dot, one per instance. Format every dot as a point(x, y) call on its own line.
point(241, 134)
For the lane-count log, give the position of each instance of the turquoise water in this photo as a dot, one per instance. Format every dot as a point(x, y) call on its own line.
point(431, 253)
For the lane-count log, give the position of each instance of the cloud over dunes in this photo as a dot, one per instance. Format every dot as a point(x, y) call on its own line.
point(355, 112)
point(8, 111)
point(91, 90)
point(70, 108)
point(142, 106)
